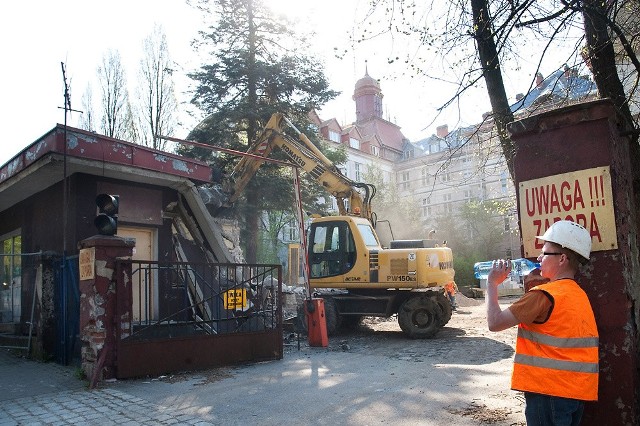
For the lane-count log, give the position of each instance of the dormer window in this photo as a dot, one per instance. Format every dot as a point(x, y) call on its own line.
point(375, 150)
point(334, 136)
point(354, 143)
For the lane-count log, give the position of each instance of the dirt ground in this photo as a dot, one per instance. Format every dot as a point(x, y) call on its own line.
point(464, 342)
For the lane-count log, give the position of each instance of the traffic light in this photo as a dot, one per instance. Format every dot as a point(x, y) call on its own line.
point(107, 219)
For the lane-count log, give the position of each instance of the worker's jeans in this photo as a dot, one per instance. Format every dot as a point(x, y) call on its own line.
point(544, 410)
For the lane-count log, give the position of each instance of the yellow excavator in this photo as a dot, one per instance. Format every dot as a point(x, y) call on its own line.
point(347, 265)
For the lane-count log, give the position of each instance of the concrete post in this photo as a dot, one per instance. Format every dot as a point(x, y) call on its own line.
point(572, 163)
point(100, 321)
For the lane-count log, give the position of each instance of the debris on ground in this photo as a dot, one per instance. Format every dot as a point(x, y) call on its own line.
point(203, 377)
point(482, 413)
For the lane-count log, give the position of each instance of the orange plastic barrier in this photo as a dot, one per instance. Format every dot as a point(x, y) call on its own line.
point(316, 322)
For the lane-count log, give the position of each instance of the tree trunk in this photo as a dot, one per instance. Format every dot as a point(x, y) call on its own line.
point(490, 63)
point(602, 59)
point(601, 56)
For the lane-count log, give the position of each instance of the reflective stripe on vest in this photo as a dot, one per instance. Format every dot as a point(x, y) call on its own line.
point(535, 361)
point(561, 342)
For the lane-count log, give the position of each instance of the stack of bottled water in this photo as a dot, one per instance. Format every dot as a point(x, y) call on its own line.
point(519, 268)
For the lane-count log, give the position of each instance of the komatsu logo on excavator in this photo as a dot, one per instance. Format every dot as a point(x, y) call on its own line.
point(295, 157)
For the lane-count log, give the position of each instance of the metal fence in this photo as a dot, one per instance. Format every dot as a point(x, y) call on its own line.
point(178, 299)
point(187, 316)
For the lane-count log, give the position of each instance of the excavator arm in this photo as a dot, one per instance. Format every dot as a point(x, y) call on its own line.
point(305, 155)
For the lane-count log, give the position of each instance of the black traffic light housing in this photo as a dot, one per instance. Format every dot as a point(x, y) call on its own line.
point(107, 219)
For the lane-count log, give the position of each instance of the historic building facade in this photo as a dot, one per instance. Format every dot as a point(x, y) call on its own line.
point(450, 168)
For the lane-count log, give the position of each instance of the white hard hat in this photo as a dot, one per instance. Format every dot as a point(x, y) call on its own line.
point(569, 235)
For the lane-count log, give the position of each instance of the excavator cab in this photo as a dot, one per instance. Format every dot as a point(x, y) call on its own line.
point(333, 249)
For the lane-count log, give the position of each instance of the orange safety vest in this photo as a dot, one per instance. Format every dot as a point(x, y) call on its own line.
point(449, 288)
point(559, 357)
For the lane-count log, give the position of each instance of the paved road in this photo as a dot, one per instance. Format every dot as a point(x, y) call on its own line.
point(361, 379)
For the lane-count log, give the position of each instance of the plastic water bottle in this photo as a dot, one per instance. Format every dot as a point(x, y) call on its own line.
point(481, 269)
point(519, 268)
point(522, 267)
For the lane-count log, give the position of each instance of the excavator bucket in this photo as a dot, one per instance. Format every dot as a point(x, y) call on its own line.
point(213, 198)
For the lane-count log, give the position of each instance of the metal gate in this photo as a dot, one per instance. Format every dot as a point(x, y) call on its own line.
point(39, 296)
point(67, 309)
point(187, 316)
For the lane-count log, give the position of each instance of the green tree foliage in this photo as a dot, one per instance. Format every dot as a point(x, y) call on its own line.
point(257, 67)
point(475, 235)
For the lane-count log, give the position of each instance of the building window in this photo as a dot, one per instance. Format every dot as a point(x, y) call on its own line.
point(375, 150)
point(407, 154)
point(446, 177)
point(334, 136)
point(507, 224)
point(469, 231)
point(405, 181)
point(292, 231)
point(354, 143)
point(10, 278)
point(358, 171)
point(446, 197)
point(425, 176)
point(426, 208)
point(377, 105)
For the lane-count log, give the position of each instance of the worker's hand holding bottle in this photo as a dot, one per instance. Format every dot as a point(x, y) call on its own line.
point(500, 270)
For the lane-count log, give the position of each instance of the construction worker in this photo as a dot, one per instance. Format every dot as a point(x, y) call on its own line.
point(450, 288)
point(556, 360)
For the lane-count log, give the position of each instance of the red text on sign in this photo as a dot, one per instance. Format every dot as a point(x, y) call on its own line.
point(554, 198)
point(590, 223)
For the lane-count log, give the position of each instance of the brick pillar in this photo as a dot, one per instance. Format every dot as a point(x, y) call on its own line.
point(100, 321)
point(572, 163)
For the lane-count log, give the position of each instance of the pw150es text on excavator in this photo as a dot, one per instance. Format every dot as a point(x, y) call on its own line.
point(347, 265)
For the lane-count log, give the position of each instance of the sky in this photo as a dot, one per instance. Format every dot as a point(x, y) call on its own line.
point(39, 35)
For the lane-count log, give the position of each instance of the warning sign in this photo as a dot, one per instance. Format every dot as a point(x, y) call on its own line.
point(584, 197)
point(235, 299)
point(87, 260)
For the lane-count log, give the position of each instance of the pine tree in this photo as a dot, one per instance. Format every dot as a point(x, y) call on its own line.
point(257, 68)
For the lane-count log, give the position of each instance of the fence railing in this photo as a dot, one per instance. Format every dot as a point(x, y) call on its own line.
point(179, 299)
